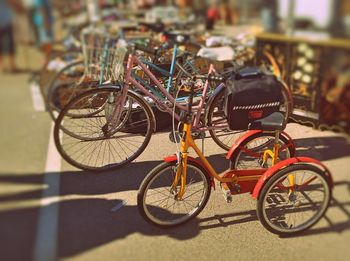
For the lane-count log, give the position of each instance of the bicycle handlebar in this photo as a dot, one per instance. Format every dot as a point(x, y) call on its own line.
point(210, 78)
point(146, 49)
point(155, 27)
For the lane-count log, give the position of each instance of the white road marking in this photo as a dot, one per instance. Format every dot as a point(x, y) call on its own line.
point(46, 236)
point(37, 98)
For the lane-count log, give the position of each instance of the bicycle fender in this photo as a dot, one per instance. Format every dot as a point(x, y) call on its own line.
point(250, 133)
point(285, 163)
point(239, 141)
point(116, 86)
point(173, 158)
point(217, 90)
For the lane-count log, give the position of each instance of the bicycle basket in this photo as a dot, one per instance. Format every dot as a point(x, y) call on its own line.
point(103, 60)
point(251, 95)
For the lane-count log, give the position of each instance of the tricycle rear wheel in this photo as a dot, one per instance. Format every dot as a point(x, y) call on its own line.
point(286, 209)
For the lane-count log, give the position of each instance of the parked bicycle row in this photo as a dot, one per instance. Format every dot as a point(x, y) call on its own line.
point(106, 105)
point(159, 72)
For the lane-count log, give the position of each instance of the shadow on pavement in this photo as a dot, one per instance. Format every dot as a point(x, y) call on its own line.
point(323, 148)
point(17, 233)
point(95, 183)
point(249, 216)
point(83, 223)
point(89, 223)
point(86, 223)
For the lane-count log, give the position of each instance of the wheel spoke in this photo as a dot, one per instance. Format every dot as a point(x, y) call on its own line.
point(89, 143)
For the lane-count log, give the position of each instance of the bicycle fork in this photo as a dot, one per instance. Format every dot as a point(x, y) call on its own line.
point(113, 110)
point(181, 171)
point(180, 177)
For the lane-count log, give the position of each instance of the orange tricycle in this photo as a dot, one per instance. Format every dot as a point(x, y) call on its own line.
point(292, 193)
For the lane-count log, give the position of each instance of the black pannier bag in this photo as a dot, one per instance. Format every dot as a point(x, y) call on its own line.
point(250, 95)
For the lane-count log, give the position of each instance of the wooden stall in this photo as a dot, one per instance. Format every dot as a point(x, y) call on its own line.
point(318, 73)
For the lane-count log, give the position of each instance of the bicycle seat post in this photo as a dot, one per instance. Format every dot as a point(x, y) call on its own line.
point(276, 147)
point(274, 123)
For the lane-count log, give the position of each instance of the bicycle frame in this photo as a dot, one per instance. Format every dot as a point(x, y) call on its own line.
point(169, 74)
point(158, 97)
point(249, 180)
point(130, 80)
point(231, 176)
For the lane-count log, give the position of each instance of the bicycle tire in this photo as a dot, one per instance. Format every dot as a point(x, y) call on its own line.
point(56, 88)
point(275, 192)
point(121, 143)
point(47, 72)
point(224, 137)
point(154, 213)
point(270, 64)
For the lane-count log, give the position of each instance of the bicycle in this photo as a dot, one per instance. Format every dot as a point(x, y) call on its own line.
point(71, 80)
point(109, 116)
point(178, 189)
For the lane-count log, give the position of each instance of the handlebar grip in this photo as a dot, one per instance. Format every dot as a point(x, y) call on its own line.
point(216, 78)
point(210, 77)
point(155, 27)
point(146, 49)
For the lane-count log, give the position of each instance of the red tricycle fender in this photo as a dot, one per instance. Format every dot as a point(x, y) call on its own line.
point(285, 163)
point(247, 135)
point(200, 164)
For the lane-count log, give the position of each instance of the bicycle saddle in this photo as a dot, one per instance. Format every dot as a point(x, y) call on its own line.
point(157, 27)
point(220, 54)
point(274, 122)
point(248, 72)
point(177, 37)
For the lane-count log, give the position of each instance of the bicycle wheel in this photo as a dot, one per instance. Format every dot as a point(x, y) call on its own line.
point(53, 64)
point(287, 104)
point(269, 63)
point(63, 87)
point(92, 139)
point(250, 153)
point(286, 209)
point(221, 134)
point(157, 203)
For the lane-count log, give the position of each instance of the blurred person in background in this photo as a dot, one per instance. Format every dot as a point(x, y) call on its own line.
point(269, 15)
point(7, 43)
point(227, 12)
point(212, 16)
point(144, 3)
point(43, 23)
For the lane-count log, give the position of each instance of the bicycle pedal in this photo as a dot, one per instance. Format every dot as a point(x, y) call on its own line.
point(228, 197)
point(226, 192)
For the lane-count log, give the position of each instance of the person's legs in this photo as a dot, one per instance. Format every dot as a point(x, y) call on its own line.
point(11, 49)
point(2, 37)
point(7, 47)
point(1, 64)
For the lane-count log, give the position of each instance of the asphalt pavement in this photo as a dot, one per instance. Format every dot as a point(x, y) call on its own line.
point(51, 211)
